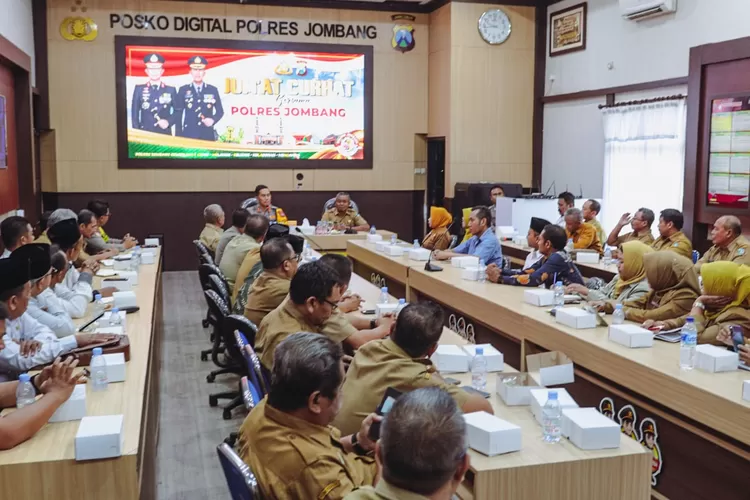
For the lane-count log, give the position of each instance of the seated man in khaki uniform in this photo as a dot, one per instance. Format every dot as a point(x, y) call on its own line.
point(343, 216)
point(402, 362)
point(728, 243)
point(313, 296)
point(590, 211)
point(269, 289)
point(211, 234)
point(238, 248)
point(287, 439)
point(672, 238)
point(583, 234)
point(641, 225)
point(422, 451)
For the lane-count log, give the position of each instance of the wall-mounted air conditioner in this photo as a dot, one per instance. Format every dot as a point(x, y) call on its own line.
point(637, 10)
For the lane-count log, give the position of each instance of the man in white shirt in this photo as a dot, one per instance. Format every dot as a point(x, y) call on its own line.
point(75, 290)
point(532, 238)
point(44, 305)
point(15, 232)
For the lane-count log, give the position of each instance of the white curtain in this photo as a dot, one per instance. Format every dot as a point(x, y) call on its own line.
point(644, 159)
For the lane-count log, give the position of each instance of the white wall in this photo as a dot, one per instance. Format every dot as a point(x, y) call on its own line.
point(649, 50)
point(16, 25)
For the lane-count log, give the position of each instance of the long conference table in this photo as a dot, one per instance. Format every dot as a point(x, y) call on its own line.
point(337, 242)
point(45, 466)
point(702, 423)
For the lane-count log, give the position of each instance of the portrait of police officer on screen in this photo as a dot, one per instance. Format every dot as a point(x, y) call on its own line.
point(153, 105)
point(199, 104)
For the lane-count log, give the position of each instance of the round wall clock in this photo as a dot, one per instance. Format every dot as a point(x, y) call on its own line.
point(494, 26)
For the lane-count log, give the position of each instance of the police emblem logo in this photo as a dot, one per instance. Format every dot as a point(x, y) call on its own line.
point(347, 145)
point(403, 34)
point(78, 28)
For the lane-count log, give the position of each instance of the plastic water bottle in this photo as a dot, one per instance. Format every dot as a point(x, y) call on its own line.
point(114, 318)
point(135, 260)
point(688, 341)
point(25, 393)
point(551, 418)
point(618, 317)
point(607, 257)
point(482, 278)
point(416, 244)
point(307, 251)
point(479, 370)
point(99, 306)
point(559, 294)
point(401, 305)
point(372, 230)
point(384, 299)
point(98, 370)
point(393, 239)
point(569, 245)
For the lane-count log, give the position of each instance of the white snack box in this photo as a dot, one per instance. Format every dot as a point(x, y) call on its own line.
point(372, 238)
point(518, 394)
point(131, 276)
point(471, 273)
point(307, 230)
point(148, 258)
point(421, 254)
point(575, 317)
point(713, 359)
point(631, 335)
point(491, 435)
point(550, 368)
point(115, 366)
point(107, 262)
point(590, 430)
point(505, 232)
point(465, 261)
point(587, 257)
point(539, 297)
point(538, 398)
point(122, 263)
point(121, 284)
point(152, 242)
point(110, 330)
point(380, 245)
point(381, 309)
point(746, 390)
point(494, 358)
point(105, 320)
point(394, 250)
point(99, 437)
point(125, 299)
point(451, 358)
point(72, 409)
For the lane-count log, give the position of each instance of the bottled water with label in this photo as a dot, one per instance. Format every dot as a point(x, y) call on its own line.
point(607, 260)
point(559, 290)
point(618, 317)
point(307, 252)
point(688, 342)
point(482, 272)
point(98, 368)
point(135, 260)
point(401, 305)
point(384, 299)
point(569, 245)
point(99, 306)
point(394, 240)
point(114, 318)
point(25, 393)
point(551, 418)
point(479, 370)
point(416, 244)
point(372, 229)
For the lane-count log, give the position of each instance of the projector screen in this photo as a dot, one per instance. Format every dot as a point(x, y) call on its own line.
point(186, 103)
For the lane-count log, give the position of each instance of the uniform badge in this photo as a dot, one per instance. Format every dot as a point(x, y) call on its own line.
point(190, 105)
point(209, 98)
point(676, 245)
point(144, 105)
point(188, 93)
point(403, 34)
point(165, 98)
point(741, 251)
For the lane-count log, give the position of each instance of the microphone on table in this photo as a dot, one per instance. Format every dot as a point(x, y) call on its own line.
point(312, 242)
point(431, 267)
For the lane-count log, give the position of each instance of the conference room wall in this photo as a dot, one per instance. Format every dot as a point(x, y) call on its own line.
point(16, 26)
point(83, 156)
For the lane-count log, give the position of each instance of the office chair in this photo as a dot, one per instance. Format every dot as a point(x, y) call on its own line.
point(233, 330)
point(240, 479)
point(250, 202)
point(218, 285)
point(249, 398)
point(205, 271)
point(205, 255)
point(696, 256)
point(256, 373)
point(330, 203)
point(220, 310)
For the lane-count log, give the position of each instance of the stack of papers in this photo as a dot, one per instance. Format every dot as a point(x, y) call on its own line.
point(672, 336)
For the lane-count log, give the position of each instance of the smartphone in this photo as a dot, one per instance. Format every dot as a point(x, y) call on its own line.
point(368, 311)
point(738, 338)
point(452, 381)
point(390, 397)
point(471, 390)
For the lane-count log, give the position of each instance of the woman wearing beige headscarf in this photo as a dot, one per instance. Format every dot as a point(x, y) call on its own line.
point(674, 288)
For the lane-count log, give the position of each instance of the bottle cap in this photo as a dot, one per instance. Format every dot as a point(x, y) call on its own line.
point(24, 377)
point(115, 310)
point(137, 247)
point(416, 242)
point(480, 350)
point(98, 296)
point(97, 351)
point(559, 283)
point(552, 395)
point(690, 319)
point(618, 306)
point(402, 301)
point(384, 289)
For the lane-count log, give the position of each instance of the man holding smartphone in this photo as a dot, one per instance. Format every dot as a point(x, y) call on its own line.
point(734, 337)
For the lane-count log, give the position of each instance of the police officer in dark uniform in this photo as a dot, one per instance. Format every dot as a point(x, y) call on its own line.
point(153, 105)
point(199, 104)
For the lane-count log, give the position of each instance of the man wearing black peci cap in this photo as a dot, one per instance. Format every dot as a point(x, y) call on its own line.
point(532, 238)
point(76, 290)
point(198, 104)
point(44, 306)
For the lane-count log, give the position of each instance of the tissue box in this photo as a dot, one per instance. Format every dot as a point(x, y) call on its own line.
point(148, 258)
point(590, 430)
point(131, 276)
point(465, 261)
point(307, 230)
point(152, 242)
point(451, 358)
point(125, 299)
point(74, 408)
point(539, 297)
point(587, 257)
point(575, 317)
point(491, 435)
point(105, 320)
point(550, 368)
point(121, 284)
point(494, 358)
point(110, 330)
point(746, 390)
point(538, 398)
point(394, 250)
point(505, 232)
point(631, 336)
point(99, 437)
point(471, 273)
point(381, 309)
point(380, 246)
point(419, 254)
point(711, 358)
point(115, 367)
point(372, 238)
point(515, 388)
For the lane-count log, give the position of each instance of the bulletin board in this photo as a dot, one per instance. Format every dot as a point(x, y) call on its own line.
point(729, 153)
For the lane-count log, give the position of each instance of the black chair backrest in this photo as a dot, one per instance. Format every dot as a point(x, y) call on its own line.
point(216, 305)
point(204, 254)
point(229, 325)
point(215, 269)
point(244, 325)
point(219, 286)
point(249, 203)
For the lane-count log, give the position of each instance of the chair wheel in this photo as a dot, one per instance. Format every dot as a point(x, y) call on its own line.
point(204, 356)
point(204, 323)
point(210, 377)
point(213, 401)
point(227, 414)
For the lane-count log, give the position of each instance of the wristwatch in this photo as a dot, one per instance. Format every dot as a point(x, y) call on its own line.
point(357, 447)
point(699, 305)
point(373, 324)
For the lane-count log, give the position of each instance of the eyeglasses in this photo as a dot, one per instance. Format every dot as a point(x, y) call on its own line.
point(333, 305)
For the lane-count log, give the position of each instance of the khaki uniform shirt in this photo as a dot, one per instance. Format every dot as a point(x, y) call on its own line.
point(644, 237)
point(266, 294)
point(234, 254)
point(275, 327)
point(349, 219)
point(293, 459)
point(248, 263)
point(383, 491)
point(737, 251)
point(43, 238)
point(586, 238)
point(378, 365)
point(677, 243)
point(210, 236)
point(599, 231)
point(338, 327)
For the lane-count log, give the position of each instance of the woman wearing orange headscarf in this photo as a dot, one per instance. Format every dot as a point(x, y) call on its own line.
point(438, 238)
